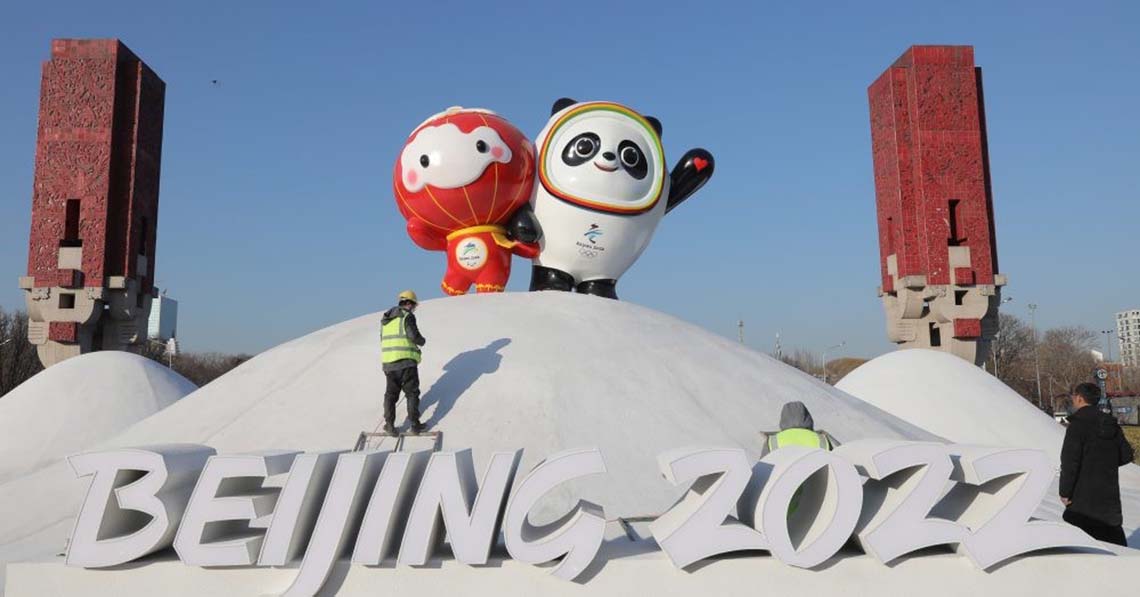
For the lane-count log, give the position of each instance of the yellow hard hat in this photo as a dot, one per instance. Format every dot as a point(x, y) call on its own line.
point(408, 295)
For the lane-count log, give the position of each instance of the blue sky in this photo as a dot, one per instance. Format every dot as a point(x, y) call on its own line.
point(276, 213)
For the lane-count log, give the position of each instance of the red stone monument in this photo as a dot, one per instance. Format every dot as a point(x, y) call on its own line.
point(940, 281)
point(95, 202)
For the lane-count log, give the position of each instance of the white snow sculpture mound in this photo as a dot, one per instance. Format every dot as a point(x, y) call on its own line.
point(951, 398)
point(539, 371)
point(78, 403)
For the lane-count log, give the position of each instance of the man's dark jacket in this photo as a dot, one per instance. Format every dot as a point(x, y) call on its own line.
point(1094, 449)
point(410, 330)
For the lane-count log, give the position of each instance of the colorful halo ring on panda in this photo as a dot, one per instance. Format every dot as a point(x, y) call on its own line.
point(463, 167)
point(618, 196)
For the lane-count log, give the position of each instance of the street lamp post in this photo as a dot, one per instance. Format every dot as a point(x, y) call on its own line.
point(170, 350)
point(997, 349)
point(825, 351)
point(1036, 349)
point(1107, 345)
point(1108, 334)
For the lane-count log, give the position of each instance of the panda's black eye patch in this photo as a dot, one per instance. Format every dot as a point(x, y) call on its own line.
point(581, 149)
point(633, 160)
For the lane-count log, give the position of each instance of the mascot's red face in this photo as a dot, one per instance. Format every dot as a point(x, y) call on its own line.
point(464, 168)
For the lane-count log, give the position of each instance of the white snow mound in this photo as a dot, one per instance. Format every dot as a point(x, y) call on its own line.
point(544, 372)
point(79, 403)
point(951, 398)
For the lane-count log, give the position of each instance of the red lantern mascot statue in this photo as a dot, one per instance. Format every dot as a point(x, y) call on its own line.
point(461, 176)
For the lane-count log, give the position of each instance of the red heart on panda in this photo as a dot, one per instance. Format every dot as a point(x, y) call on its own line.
point(700, 163)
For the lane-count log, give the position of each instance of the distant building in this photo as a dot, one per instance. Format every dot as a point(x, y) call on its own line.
point(1126, 409)
point(1128, 330)
point(163, 322)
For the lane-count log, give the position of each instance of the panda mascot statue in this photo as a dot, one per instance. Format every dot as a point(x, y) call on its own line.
point(603, 188)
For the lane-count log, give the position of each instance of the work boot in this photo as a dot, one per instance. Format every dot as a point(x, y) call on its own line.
point(389, 428)
point(416, 428)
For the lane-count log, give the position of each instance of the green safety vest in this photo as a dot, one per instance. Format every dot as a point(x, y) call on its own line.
point(799, 437)
point(395, 345)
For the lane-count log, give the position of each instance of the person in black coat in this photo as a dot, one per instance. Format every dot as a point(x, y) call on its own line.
point(1094, 449)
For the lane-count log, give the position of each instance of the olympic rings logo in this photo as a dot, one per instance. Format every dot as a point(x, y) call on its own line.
point(587, 253)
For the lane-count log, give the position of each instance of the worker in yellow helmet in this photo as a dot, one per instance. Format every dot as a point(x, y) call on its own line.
point(400, 342)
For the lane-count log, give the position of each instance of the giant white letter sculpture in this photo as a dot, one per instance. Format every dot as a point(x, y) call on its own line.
point(577, 536)
point(470, 513)
point(387, 514)
point(229, 490)
point(352, 482)
point(699, 526)
point(828, 509)
point(801, 504)
point(298, 505)
point(904, 482)
point(1003, 486)
point(106, 531)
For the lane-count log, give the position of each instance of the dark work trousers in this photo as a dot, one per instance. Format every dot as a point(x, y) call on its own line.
point(1095, 529)
point(407, 380)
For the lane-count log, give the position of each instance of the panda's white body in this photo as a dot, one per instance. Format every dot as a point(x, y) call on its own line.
point(566, 246)
point(596, 221)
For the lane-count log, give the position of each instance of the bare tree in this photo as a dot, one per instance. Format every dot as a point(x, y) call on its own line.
point(19, 361)
point(804, 360)
point(198, 367)
point(1066, 358)
point(1065, 355)
point(1012, 353)
point(837, 369)
point(1130, 381)
point(202, 368)
point(18, 358)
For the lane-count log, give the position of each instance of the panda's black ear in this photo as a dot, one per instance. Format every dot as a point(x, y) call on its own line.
point(561, 104)
point(656, 124)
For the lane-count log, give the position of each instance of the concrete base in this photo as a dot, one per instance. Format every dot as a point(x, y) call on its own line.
point(629, 568)
point(958, 318)
point(93, 318)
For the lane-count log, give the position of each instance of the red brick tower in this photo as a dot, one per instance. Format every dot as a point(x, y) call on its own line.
point(940, 285)
point(95, 202)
